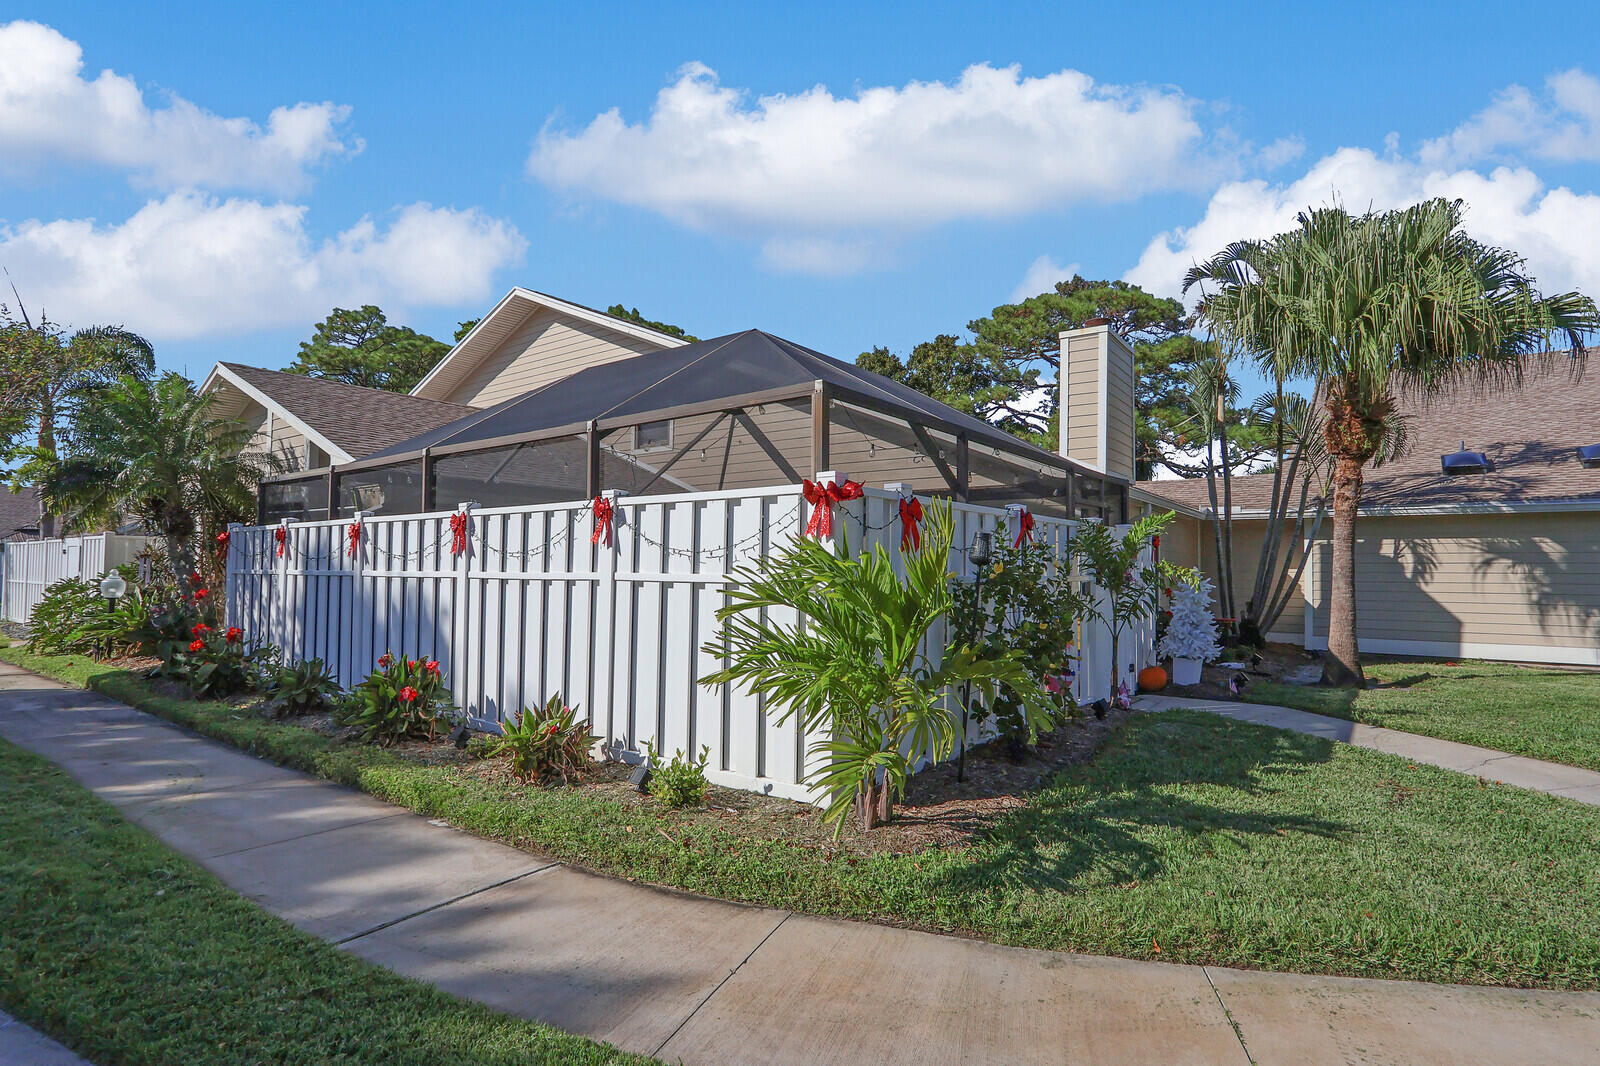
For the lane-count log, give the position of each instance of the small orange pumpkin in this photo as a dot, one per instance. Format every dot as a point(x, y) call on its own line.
point(1152, 679)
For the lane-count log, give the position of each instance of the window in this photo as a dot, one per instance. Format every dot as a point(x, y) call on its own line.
point(652, 436)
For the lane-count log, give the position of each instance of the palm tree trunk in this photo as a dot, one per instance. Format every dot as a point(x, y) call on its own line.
point(1343, 664)
point(47, 444)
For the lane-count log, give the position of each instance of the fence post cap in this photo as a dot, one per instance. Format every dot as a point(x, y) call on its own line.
point(836, 476)
point(467, 505)
point(900, 488)
point(613, 494)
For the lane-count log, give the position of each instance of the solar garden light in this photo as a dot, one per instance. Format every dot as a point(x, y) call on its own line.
point(113, 588)
point(980, 553)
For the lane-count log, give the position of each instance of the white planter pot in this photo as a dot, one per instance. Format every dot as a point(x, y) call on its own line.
point(1186, 671)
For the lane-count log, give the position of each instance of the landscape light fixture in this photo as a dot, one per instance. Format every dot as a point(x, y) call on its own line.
point(113, 588)
point(980, 553)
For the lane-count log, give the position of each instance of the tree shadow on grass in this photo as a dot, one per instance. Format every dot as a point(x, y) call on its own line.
point(1112, 822)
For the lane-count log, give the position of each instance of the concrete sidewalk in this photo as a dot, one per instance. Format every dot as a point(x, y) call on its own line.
point(708, 982)
point(1557, 779)
point(22, 1046)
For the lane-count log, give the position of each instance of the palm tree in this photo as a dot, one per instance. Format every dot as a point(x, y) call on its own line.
point(1369, 307)
point(49, 372)
point(152, 451)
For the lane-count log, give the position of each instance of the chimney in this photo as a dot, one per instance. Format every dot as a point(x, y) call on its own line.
point(1097, 398)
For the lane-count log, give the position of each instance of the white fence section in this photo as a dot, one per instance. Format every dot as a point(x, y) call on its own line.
point(31, 566)
point(533, 607)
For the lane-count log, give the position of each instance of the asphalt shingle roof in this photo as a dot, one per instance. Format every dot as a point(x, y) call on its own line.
point(1531, 434)
point(357, 419)
point(18, 510)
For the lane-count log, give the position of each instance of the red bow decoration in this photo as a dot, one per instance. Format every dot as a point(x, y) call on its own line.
point(910, 515)
point(280, 535)
point(222, 542)
point(458, 533)
point(1024, 528)
point(353, 533)
point(822, 498)
point(1155, 542)
point(604, 511)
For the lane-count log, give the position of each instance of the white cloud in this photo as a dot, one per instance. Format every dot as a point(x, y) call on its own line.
point(1562, 125)
point(888, 160)
point(191, 266)
point(1041, 276)
point(1555, 228)
point(49, 113)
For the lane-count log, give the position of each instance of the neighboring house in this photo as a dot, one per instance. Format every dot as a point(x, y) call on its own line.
point(19, 514)
point(310, 422)
point(1498, 559)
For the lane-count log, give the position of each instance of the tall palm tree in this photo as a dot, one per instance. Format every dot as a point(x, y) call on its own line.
point(153, 451)
point(48, 372)
point(1369, 307)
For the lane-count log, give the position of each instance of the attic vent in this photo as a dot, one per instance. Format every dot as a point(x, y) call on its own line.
point(1589, 455)
point(1464, 462)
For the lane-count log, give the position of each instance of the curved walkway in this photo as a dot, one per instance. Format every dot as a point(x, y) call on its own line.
point(708, 982)
point(1555, 778)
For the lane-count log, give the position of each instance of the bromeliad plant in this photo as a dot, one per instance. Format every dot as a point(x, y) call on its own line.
point(552, 742)
point(855, 673)
point(305, 687)
point(402, 699)
point(72, 618)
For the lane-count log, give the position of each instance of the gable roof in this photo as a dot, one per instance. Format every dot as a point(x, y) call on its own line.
point(507, 316)
point(18, 511)
point(739, 365)
point(1531, 434)
point(346, 421)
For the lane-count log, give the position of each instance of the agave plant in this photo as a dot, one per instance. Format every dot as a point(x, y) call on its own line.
point(856, 672)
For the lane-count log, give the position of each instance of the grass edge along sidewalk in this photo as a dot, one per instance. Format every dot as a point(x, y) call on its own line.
point(127, 952)
point(1192, 838)
point(1540, 712)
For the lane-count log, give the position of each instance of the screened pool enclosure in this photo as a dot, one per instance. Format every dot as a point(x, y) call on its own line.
point(742, 411)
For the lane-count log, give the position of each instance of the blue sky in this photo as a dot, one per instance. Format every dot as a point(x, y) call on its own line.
point(834, 174)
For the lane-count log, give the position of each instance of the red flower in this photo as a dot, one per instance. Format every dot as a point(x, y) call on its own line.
point(194, 577)
point(411, 664)
point(200, 594)
point(432, 666)
point(408, 694)
point(197, 645)
point(550, 730)
point(386, 660)
point(233, 634)
point(198, 629)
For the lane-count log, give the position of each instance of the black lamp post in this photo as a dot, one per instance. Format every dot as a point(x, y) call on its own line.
point(112, 587)
point(980, 553)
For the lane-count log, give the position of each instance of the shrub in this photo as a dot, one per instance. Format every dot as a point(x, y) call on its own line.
point(1029, 607)
point(402, 699)
point(552, 742)
point(856, 672)
point(72, 618)
point(680, 782)
point(302, 688)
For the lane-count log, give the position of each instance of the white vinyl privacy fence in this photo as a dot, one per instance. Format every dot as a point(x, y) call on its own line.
point(522, 603)
point(31, 566)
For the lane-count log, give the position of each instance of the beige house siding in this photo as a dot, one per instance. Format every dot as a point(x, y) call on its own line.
point(546, 348)
point(1520, 586)
point(1248, 538)
point(1080, 416)
point(1120, 404)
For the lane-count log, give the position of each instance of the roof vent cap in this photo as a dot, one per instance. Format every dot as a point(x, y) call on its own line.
point(1464, 462)
point(1589, 454)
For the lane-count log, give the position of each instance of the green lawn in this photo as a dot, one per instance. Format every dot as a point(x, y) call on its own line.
point(1192, 838)
point(1542, 712)
point(129, 953)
